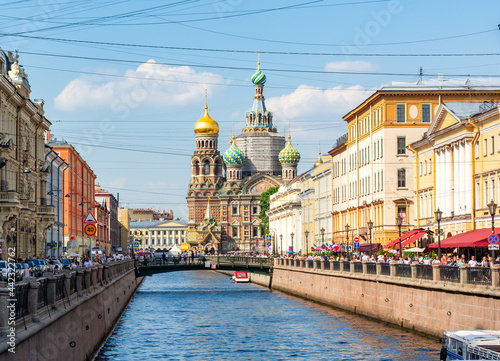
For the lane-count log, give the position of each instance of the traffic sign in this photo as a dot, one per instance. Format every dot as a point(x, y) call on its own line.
point(356, 239)
point(268, 244)
point(128, 245)
point(90, 218)
point(493, 239)
point(493, 247)
point(356, 244)
point(349, 248)
point(136, 246)
point(65, 249)
point(342, 247)
point(269, 237)
point(90, 229)
point(257, 242)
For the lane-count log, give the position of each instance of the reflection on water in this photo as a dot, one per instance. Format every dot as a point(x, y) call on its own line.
point(200, 315)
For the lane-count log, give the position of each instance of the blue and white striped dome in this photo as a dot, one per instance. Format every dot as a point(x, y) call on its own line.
point(259, 78)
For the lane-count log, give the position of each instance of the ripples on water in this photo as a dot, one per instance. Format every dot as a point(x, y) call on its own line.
point(200, 315)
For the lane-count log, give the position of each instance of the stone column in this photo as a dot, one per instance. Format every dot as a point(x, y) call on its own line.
point(463, 275)
point(99, 274)
point(51, 292)
point(67, 284)
point(436, 273)
point(33, 301)
point(468, 177)
point(379, 267)
point(161, 237)
point(463, 180)
point(456, 179)
point(86, 274)
point(322, 264)
point(414, 270)
point(364, 267)
point(105, 273)
point(307, 263)
point(392, 266)
point(351, 266)
point(302, 263)
point(4, 311)
point(449, 183)
point(495, 276)
point(93, 274)
point(79, 283)
point(438, 192)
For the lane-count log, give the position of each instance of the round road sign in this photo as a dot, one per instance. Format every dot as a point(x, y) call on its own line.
point(90, 229)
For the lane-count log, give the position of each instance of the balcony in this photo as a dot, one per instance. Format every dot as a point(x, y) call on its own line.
point(45, 210)
point(9, 197)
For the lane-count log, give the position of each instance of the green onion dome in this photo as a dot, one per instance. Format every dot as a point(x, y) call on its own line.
point(289, 155)
point(233, 156)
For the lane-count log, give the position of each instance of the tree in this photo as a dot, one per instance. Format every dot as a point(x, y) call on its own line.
point(264, 207)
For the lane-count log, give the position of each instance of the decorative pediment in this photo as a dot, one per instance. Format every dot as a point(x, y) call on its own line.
point(259, 183)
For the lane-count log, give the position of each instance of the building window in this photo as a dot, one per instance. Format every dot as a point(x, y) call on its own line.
point(430, 166)
point(255, 209)
point(255, 231)
point(402, 213)
point(235, 231)
point(486, 198)
point(426, 113)
point(492, 145)
point(492, 189)
point(401, 113)
point(425, 167)
point(401, 145)
point(421, 169)
point(206, 168)
point(477, 149)
point(485, 149)
point(235, 210)
point(478, 195)
point(402, 178)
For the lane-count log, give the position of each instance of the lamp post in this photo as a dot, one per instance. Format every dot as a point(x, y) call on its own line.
point(322, 230)
point(492, 207)
point(307, 244)
point(347, 237)
point(281, 245)
point(291, 235)
point(370, 226)
point(438, 214)
point(399, 221)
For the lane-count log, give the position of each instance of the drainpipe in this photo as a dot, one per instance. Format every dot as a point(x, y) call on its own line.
point(417, 204)
point(473, 164)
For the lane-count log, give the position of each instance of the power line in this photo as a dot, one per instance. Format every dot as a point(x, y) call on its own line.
point(252, 51)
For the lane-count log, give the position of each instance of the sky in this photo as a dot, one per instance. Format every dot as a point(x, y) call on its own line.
point(124, 81)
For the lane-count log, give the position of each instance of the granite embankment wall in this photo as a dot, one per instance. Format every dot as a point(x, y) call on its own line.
point(71, 326)
point(422, 305)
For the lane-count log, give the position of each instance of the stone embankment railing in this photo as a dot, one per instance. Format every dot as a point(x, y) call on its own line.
point(35, 297)
point(459, 276)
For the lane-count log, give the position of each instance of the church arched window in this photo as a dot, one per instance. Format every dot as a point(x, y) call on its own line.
point(206, 168)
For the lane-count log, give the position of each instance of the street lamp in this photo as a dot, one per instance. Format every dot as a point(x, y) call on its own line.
point(322, 230)
point(492, 207)
point(347, 237)
point(370, 226)
point(307, 244)
point(281, 245)
point(438, 214)
point(399, 220)
point(291, 235)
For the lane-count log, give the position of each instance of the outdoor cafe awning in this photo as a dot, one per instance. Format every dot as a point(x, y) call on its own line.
point(413, 238)
point(365, 247)
point(403, 237)
point(474, 238)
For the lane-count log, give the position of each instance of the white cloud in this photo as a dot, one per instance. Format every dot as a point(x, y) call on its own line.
point(310, 103)
point(151, 84)
point(350, 66)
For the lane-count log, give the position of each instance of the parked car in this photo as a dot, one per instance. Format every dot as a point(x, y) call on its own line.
point(38, 267)
point(3, 270)
point(66, 262)
point(19, 271)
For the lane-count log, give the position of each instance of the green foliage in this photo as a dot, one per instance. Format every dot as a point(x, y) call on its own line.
point(264, 207)
point(432, 255)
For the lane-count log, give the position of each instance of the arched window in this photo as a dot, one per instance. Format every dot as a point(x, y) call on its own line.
point(206, 167)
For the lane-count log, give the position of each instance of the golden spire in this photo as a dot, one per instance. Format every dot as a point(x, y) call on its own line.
point(320, 159)
point(206, 99)
point(258, 61)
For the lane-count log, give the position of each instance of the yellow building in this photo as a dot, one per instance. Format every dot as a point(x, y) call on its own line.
point(458, 167)
point(373, 171)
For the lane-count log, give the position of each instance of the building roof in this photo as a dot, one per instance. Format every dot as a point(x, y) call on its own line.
point(466, 110)
point(440, 83)
point(145, 224)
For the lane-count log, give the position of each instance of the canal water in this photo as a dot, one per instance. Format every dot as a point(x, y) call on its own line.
point(200, 315)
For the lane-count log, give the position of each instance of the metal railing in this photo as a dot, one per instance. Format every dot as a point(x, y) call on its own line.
point(479, 275)
point(371, 268)
point(385, 269)
point(327, 265)
point(358, 267)
point(424, 271)
point(60, 287)
point(346, 266)
point(21, 299)
point(42, 292)
point(449, 273)
point(403, 270)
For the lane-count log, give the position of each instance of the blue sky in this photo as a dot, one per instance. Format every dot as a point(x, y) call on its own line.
point(130, 110)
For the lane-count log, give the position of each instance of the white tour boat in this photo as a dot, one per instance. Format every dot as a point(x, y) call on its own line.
point(472, 345)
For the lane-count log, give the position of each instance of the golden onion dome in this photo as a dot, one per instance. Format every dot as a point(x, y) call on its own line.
point(206, 125)
point(319, 161)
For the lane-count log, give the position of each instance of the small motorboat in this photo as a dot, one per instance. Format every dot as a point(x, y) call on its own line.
point(240, 277)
